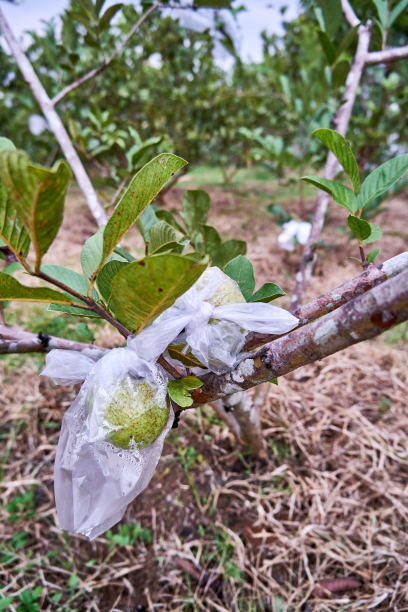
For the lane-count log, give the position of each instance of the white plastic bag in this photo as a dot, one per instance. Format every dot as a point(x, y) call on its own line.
point(95, 479)
point(212, 319)
point(294, 232)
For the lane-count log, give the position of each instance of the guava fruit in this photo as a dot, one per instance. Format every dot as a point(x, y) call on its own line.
point(136, 413)
point(227, 292)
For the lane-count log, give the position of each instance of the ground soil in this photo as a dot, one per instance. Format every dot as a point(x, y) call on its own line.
point(320, 524)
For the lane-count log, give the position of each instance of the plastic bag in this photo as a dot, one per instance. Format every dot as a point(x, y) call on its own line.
point(294, 232)
point(96, 479)
point(99, 468)
point(212, 320)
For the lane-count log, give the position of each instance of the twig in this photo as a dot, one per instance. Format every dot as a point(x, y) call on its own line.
point(95, 71)
point(388, 55)
point(349, 13)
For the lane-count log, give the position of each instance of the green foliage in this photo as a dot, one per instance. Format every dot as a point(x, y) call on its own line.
point(240, 269)
point(357, 199)
point(179, 390)
point(37, 195)
point(129, 535)
point(11, 289)
point(144, 289)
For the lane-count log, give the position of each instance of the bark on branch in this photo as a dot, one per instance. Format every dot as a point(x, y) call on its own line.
point(388, 55)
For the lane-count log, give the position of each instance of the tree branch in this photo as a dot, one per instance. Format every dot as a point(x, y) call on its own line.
point(54, 122)
point(95, 71)
point(15, 340)
point(388, 55)
point(360, 319)
point(349, 13)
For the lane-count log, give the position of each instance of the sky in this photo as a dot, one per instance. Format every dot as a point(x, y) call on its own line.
point(260, 15)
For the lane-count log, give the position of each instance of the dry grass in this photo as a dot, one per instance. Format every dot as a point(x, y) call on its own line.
point(216, 530)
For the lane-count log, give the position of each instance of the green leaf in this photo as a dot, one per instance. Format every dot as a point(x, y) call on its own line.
point(146, 220)
point(179, 389)
point(327, 46)
point(196, 204)
point(108, 15)
point(106, 275)
point(339, 146)
point(372, 255)
point(72, 279)
point(176, 351)
point(145, 185)
point(284, 82)
point(340, 72)
point(274, 381)
point(241, 270)
point(37, 194)
point(161, 235)
point(5, 603)
point(11, 289)
point(145, 288)
point(360, 228)
point(11, 268)
point(332, 14)
point(396, 11)
point(73, 310)
point(12, 230)
point(211, 240)
point(123, 254)
point(382, 10)
point(339, 192)
point(376, 233)
point(5, 143)
point(381, 179)
point(227, 251)
point(213, 3)
point(91, 253)
point(267, 293)
point(166, 215)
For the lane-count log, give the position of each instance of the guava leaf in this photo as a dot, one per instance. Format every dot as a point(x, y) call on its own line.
point(12, 230)
point(176, 352)
point(360, 228)
point(160, 235)
point(372, 255)
point(339, 146)
point(376, 233)
point(145, 288)
point(381, 179)
point(179, 390)
point(145, 185)
point(227, 251)
point(241, 270)
point(196, 204)
point(72, 279)
point(11, 289)
point(73, 310)
point(37, 193)
point(267, 293)
point(106, 276)
point(339, 192)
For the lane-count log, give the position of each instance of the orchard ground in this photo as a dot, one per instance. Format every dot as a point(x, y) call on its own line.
point(216, 530)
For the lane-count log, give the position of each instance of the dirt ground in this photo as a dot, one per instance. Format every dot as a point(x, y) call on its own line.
point(320, 525)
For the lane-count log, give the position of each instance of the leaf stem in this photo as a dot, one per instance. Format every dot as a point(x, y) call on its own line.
point(363, 257)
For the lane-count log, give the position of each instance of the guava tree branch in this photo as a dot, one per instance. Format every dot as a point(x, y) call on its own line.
point(388, 55)
point(349, 13)
point(360, 319)
point(15, 340)
point(54, 122)
point(95, 71)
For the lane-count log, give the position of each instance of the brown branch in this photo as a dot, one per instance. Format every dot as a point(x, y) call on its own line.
point(360, 319)
point(95, 71)
point(15, 340)
point(388, 55)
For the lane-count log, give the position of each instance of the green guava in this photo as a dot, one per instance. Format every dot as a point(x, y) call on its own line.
point(227, 293)
point(136, 414)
